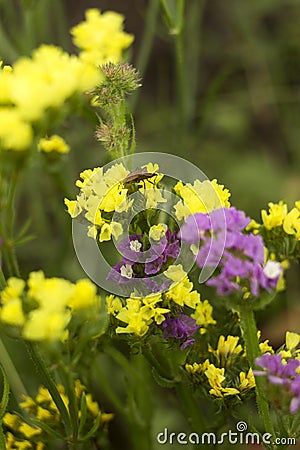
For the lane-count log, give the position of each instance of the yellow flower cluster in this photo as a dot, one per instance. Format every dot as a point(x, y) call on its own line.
point(140, 312)
point(20, 435)
point(50, 77)
point(100, 37)
point(217, 380)
point(44, 310)
point(54, 143)
point(292, 341)
point(279, 216)
point(203, 315)
point(226, 350)
point(200, 197)
point(102, 193)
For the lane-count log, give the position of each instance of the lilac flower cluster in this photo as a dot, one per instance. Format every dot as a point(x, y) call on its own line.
point(182, 328)
point(283, 374)
point(137, 263)
point(239, 256)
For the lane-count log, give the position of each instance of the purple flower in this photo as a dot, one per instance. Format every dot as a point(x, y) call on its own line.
point(182, 328)
point(122, 273)
point(168, 247)
point(131, 248)
point(284, 374)
point(238, 256)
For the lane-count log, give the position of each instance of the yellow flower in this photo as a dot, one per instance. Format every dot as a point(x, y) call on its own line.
point(29, 431)
point(156, 232)
point(246, 381)
point(136, 316)
point(84, 295)
point(292, 340)
point(11, 420)
point(91, 405)
point(203, 315)
point(74, 209)
point(291, 223)
point(101, 37)
point(11, 311)
point(46, 325)
point(196, 368)
point(275, 217)
point(15, 132)
point(115, 200)
point(114, 304)
point(175, 273)
point(182, 293)
point(153, 197)
point(200, 197)
point(115, 174)
point(54, 143)
point(45, 80)
point(226, 348)
point(253, 226)
point(215, 378)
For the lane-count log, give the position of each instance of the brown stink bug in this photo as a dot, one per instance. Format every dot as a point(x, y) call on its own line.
point(139, 175)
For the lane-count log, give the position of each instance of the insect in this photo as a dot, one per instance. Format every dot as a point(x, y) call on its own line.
point(139, 175)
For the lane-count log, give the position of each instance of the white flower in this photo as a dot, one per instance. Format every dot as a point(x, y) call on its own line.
point(126, 271)
point(272, 269)
point(135, 246)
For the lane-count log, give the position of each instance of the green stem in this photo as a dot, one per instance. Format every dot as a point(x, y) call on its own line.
point(2, 439)
point(16, 384)
point(180, 72)
point(146, 44)
point(2, 279)
point(50, 385)
point(192, 409)
point(109, 392)
point(249, 329)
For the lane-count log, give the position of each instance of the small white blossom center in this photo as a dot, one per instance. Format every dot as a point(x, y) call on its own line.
point(135, 246)
point(126, 271)
point(272, 269)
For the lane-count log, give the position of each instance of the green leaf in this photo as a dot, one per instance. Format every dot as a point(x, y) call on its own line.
point(5, 393)
point(83, 411)
point(49, 430)
point(93, 429)
point(162, 381)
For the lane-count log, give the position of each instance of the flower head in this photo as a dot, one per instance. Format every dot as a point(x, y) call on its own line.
point(182, 328)
point(282, 373)
point(239, 256)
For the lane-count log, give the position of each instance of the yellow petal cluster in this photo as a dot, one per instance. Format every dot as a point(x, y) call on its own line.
point(44, 309)
point(54, 143)
point(203, 315)
point(139, 313)
point(101, 37)
point(226, 349)
point(50, 77)
point(279, 216)
point(100, 193)
point(200, 197)
point(216, 379)
point(182, 293)
point(42, 407)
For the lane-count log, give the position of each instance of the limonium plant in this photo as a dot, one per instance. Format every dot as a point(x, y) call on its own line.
point(184, 273)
